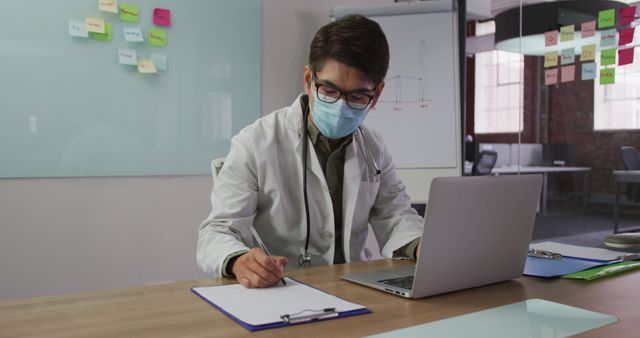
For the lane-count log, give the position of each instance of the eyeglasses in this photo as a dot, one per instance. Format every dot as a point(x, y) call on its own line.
point(331, 94)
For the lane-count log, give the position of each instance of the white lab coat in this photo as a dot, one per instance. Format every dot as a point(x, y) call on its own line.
point(260, 185)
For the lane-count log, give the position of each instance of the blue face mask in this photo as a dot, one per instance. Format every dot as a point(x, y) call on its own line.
point(336, 120)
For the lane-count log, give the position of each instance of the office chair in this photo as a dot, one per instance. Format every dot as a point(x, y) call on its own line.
point(485, 162)
point(631, 159)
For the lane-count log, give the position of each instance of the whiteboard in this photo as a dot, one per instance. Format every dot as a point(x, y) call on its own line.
point(416, 113)
point(68, 108)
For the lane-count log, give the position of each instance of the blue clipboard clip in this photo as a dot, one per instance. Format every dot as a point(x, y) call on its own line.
point(544, 254)
point(309, 315)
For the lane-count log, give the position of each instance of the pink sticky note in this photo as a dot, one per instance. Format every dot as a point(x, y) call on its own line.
point(625, 56)
point(550, 76)
point(568, 73)
point(627, 15)
point(161, 17)
point(625, 36)
point(551, 38)
point(588, 29)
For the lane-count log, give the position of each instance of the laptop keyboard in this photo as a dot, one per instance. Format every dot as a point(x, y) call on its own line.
point(405, 282)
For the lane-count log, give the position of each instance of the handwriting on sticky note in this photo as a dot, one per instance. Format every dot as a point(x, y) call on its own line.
point(127, 57)
point(566, 32)
point(550, 59)
point(94, 24)
point(129, 12)
point(588, 53)
point(625, 36)
point(627, 15)
point(606, 18)
point(161, 17)
point(567, 56)
point(108, 33)
point(568, 73)
point(625, 56)
point(550, 76)
point(588, 29)
point(551, 38)
point(77, 28)
point(110, 6)
point(157, 37)
point(608, 38)
point(608, 57)
point(146, 66)
point(589, 71)
point(133, 34)
point(607, 76)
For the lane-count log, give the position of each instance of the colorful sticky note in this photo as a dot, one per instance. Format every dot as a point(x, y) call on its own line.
point(110, 6)
point(108, 34)
point(550, 76)
point(133, 34)
point(608, 38)
point(567, 56)
point(607, 76)
point(568, 73)
point(161, 17)
point(566, 32)
point(625, 36)
point(78, 28)
point(608, 57)
point(606, 18)
point(127, 57)
point(588, 29)
point(627, 15)
point(588, 53)
point(94, 24)
point(129, 12)
point(589, 71)
point(146, 66)
point(550, 59)
point(551, 38)
point(625, 56)
point(157, 37)
point(160, 60)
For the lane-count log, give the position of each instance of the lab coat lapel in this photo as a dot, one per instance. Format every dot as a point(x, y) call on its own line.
point(351, 187)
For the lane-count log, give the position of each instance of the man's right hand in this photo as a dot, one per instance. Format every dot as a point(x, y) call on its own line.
point(256, 269)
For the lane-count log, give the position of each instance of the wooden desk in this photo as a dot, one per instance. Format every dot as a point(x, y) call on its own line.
point(171, 310)
point(628, 176)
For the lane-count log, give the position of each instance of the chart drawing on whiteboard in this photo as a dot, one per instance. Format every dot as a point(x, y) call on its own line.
point(418, 108)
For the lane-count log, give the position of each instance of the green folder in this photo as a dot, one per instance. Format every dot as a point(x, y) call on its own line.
point(604, 271)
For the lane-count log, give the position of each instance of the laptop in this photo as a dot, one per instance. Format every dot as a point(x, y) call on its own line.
point(477, 232)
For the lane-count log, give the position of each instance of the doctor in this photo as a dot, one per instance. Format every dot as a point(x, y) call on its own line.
point(350, 180)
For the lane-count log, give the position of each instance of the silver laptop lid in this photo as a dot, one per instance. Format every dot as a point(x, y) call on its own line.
point(477, 231)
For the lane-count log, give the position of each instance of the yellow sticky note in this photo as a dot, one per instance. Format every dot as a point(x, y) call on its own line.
point(146, 66)
point(110, 6)
point(566, 32)
point(588, 53)
point(94, 24)
point(550, 59)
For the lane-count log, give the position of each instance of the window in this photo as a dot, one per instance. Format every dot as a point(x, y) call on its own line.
point(498, 92)
point(617, 106)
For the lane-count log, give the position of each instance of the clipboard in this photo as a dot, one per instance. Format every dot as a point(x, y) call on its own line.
point(277, 306)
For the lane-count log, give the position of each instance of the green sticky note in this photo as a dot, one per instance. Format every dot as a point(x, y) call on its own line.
point(128, 12)
point(108, 33)
point(608, 57)
point(607, 76)
point(157, 37)
point(606, 18)
point(604, 271)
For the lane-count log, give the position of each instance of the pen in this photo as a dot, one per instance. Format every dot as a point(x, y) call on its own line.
point(257, 237)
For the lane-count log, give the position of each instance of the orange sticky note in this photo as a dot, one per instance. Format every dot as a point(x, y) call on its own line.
point(146, 66)
point(110, 6)
point(94, 24)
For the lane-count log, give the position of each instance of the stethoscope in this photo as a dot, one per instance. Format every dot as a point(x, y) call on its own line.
point(305, 258)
